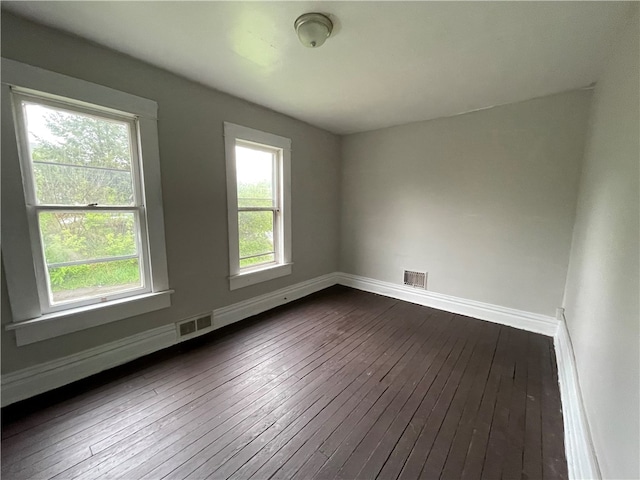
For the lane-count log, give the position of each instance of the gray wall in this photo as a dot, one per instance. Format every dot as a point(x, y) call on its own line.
point(484, 202)
point(193, 182)
point(602, 290)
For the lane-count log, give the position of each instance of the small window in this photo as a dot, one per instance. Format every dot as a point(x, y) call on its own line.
point(258, 197)
point(84, 199)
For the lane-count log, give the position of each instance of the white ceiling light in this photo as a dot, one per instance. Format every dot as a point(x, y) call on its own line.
point(313, 29)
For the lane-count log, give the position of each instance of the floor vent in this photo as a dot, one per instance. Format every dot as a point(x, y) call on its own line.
point(203, 322)
point(187, 328)
point(192, 327)
point(415, 279)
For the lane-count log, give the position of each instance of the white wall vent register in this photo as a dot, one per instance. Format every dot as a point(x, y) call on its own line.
point(415, 279)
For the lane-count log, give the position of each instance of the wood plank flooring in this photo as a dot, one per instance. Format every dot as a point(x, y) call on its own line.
point(341, 384)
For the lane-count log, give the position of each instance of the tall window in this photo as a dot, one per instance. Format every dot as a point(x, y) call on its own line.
point(259, 211)
point(83, 239)
point(84, 197)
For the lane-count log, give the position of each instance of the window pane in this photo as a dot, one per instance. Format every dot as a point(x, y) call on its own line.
point(253, 261)
point(255, 231)
point(79, 159)
point(76, 282)
point(81, 236)
point(71, 185)
point(254, 174)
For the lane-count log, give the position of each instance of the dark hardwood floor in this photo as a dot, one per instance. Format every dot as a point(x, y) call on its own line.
point(341, 384)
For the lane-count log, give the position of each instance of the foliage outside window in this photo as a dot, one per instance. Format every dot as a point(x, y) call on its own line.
point(258, 205)
point(82, 183)
point(259, 210)
point(83, 233)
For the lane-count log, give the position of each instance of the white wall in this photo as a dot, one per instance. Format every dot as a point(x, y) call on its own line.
point(602, 288)
point(484, 201)
point(190, 127)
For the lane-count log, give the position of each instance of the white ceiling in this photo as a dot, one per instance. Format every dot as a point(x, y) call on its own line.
point(388, 63)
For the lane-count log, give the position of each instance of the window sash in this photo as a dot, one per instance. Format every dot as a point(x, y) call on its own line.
point(277, 222)
point(276, 189)
point(276, 160)
point(88, 208)
point(262, 254)
point(258, 209)
point(88, 167)
point(26, 162)
point(71, 106)
point(45, 292)
point(91, 261)
point(238, 135)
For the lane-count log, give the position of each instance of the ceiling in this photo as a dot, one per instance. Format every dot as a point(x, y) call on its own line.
point(387, 63)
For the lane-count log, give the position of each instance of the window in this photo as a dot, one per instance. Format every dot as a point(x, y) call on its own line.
point(90, 203)
point(84, 198)
point(258, 195)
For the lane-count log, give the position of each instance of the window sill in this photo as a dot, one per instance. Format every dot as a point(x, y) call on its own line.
point(257, 276)
point(61, 323)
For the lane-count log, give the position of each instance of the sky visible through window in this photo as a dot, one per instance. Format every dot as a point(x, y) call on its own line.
point(253, 166)
point(255, 176)
point(254, 172)
point(83, 160)
point(37, 125)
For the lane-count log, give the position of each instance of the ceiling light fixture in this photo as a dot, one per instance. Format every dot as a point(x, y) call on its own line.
point(313, 29)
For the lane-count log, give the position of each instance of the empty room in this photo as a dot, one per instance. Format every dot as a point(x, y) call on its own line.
point(317, 240)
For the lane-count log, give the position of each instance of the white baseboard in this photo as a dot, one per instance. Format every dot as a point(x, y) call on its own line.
point(531, 322)
point(38, 379)
point(41, 378)
point(46, 376)
point(581, 458)
point(241, 310)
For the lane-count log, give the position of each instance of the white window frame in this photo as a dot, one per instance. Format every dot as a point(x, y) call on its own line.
point(281, 146)
point(34, 207)
point(34, 318)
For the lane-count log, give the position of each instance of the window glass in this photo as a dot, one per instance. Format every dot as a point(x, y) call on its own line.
point(79, 159)
point(85, 281)
point(254, 174)
point(89, 254)
point(258, 202)
point(256, 237)
point(81, 167)
point(83, 232)
point(257, 215)
point(75, 236)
